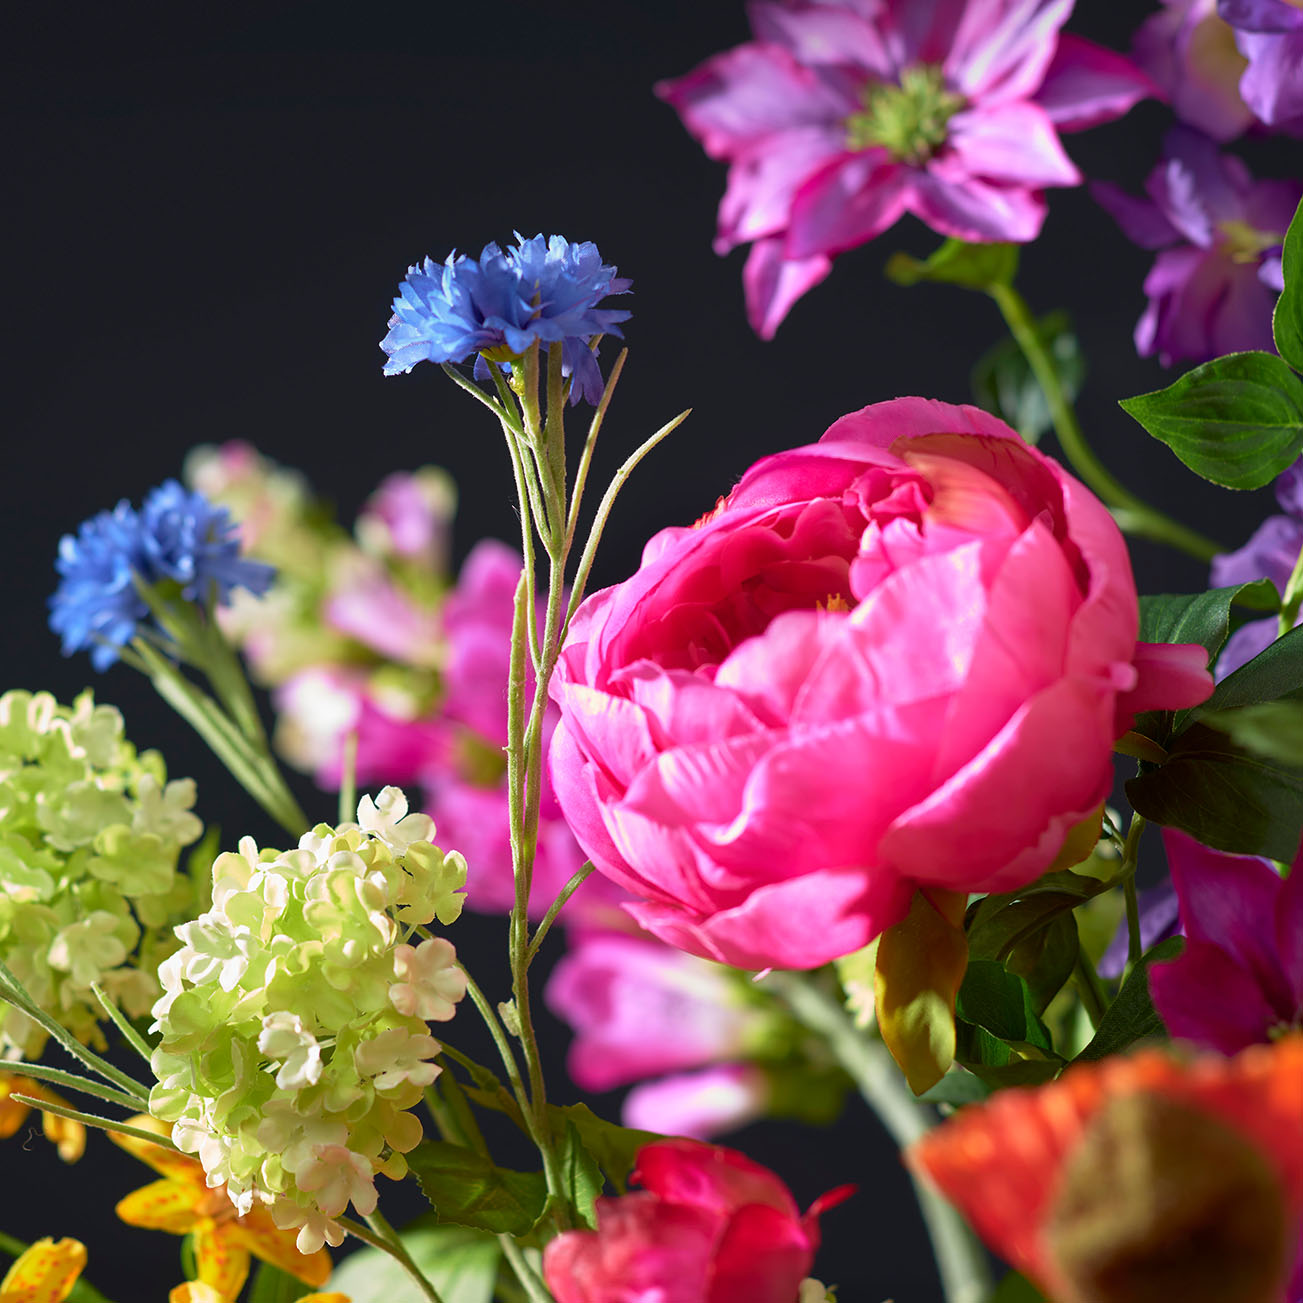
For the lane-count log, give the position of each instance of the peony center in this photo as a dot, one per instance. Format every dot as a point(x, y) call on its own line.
point(908, 120)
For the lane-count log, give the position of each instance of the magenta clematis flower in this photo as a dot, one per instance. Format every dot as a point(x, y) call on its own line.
point(1189, 50)
point(1239, 980)
point(1213, 286)
point(842, 116)
point(1269, 34)
point(1271, 553)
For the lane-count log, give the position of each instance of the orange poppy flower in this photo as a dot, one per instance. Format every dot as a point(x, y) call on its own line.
point(44, 1273)
point(67, 1136)
point(1140, 1178)
point(182, 1204)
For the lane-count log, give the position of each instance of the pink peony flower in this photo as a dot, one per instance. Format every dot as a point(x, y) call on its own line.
point(841, 117)
point(410, 517)
point(640, 1008)
point(1214, 284)
point(895, 658)
point(709, 1226)
point(1189, 51)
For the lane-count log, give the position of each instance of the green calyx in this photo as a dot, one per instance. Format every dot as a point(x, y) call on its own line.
point(908, 120)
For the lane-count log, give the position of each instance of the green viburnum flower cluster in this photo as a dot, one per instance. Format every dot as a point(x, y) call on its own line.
point(294, 1015)
point(90, 835)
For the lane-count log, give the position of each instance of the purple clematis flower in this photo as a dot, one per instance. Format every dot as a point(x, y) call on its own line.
point(1239, 981)
point(1213, 285)
point(1190, 52)
point(1271, 553)
point(1159, 920)
point(1269, 34)
point(842, 115)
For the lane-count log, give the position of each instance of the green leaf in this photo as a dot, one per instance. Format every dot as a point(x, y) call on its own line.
point(581, 1175)
point(1270, 729)
point(1000, 1002)
point(271, 1285)
point(461, 1264)
point(1237, 420)
point(1287, 321)
point(1223, 795)
point(974, 266)
point(1131, 1016)
point(958, 1086)
point(1275, 672)
point(466, 1188)
point(614, 1148)
point(1003, 382)
point(1204, 618)
point(1015, 1288)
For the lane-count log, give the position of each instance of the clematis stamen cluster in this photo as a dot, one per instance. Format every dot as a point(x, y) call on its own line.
point(293, 1020)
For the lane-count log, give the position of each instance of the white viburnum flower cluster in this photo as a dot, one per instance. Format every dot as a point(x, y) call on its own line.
point(293, 1019)
point(90, 836)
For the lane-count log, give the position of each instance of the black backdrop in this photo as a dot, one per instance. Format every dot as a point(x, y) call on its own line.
point(214, 207)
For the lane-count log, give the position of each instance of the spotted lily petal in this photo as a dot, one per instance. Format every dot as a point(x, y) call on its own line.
point(45, 1273)
point(222, 1263)
point(161, 1206)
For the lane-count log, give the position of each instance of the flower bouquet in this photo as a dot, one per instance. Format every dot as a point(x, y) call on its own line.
point(835, 803)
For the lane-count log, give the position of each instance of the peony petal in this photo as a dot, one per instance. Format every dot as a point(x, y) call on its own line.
point(1172, 676)
point(1087, 85)
point(773, 283)
point(799, 924)
point(718, 1181)
point(880, 425)
point(1011, 143)
point(762, 1257)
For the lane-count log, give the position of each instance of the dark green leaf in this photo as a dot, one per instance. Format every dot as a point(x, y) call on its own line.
point(958, 1086)
point(460, 1263)
point(466, 1188)
point(271, 1285)
point(1270, 729)
point(1015, 1288)
point(974, 266)
point(1000, 1002)
point(1237, 420)
point(1003, 382)
point(1204, 618)
point(1287, 322)
point(1223, 796)
point(613, 1147)
point(1275, 672)
point(581, 1175)
point(1131, 1017)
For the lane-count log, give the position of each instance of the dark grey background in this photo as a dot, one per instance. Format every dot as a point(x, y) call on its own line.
point(212, 209)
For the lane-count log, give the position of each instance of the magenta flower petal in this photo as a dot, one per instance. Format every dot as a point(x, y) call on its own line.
point(700, 1104)
point(1012, 142)
point(1261, 15)
point(749, 94)
point(1172, 676)
point(969, 208)
point(1087, 85)
point(1205, 996)
point(1002, 49)
point(1272, 85)
point(1141, 220)
point(773, 283)
point(846, 203)
point(824, 35)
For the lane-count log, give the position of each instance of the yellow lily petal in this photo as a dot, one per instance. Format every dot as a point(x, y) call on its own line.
point(45, 1273)
point(195, 1291)
point(325, 1298)
point(222, 1261)
point(264, 1239)
point(67, 1135)
point(166, 1162)
point(161, 1206)
point(12, 1113)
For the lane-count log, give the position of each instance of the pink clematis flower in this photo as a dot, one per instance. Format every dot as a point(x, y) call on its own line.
point(841, 117)
point(1239, 980)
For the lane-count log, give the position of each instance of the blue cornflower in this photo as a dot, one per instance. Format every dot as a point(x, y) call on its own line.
point(176, 536)
point(544, 289)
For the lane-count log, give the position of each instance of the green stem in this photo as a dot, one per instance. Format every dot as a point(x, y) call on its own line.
point(576, 881)
point(962, 1262)
point(590, 443)
point(1292, 599)
point(1126, 874)
point(1093, 998)
point(70, 1081)
point(380, 1235)
point(1133, 514)
point(348, 780)
point(119, 1019)
point(515, 1255)
point(497, 1031)
point(94, 1120)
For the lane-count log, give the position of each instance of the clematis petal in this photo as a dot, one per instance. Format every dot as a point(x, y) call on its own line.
point(1272, 84)
point(1204, 996)
point(1086, 85)
point(1012, 143)
point(952, 201)
point(846, 203)
point(1001, 49)
point(773, 282)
